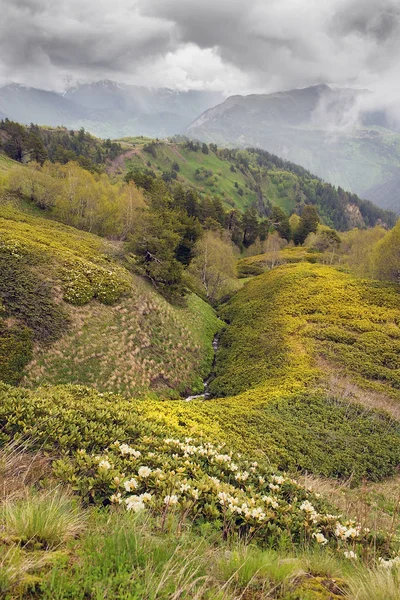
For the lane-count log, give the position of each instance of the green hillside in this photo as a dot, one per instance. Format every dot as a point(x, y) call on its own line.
point(210, 492)
point(107, 327)
point(241, 178)
point(208, 173)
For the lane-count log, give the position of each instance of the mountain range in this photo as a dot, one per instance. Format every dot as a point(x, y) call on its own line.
point(323, 129)
point(106, 108)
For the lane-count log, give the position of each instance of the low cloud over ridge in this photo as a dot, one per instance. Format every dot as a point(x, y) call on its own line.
point(229, 45)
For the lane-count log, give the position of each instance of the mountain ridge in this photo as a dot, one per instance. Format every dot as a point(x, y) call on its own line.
point(336, 134)
point(106, 108)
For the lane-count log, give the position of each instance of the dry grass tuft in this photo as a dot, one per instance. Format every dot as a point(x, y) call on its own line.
point(20, 468)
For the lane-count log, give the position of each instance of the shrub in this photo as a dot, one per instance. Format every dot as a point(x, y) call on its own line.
point(27, 297)
point(15, 351)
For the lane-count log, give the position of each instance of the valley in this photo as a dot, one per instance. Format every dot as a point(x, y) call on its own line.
point(134, 271)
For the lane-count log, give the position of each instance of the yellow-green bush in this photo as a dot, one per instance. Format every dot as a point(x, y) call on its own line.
point(291, 430)
point(282, 322)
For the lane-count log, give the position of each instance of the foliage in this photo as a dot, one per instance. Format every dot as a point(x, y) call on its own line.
point(67, 418)
point(33, 143)
point(76, 197)
point(15, 351)
point(281, 322)
point(242, 178)
point(155, 243)
point(150, 345)
point(280, 222)
point(357, 249)
point(27, 297)
point(214, 266)
point(189, 478)
point(387, 256)
point(308, 224)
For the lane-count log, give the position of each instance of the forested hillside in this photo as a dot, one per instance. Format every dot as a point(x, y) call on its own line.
point(326, 130)
point(58, 144)
point(241, 178)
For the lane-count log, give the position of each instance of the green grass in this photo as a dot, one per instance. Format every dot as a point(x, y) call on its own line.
point(220, 182)
point(126, 558)
point(6, 164)
point(45, 520)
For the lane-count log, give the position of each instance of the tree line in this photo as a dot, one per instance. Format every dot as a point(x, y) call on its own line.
point(33, 143)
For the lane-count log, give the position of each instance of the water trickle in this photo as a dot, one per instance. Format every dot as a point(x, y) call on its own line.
point(206, 394)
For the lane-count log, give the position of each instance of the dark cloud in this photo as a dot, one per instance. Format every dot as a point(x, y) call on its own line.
point(228, 44)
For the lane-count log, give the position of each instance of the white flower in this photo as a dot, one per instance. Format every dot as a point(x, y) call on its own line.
point(215, 481)
point(131, 485)
point(146, 497)
point(307, 507)
point(104, 464)
point(390, 563)
point(257, 513)
point(116, 499)
point(351, 532)
point(350, 554)
point(173, 499)
point(195, 493)
point(223, 497)
point(270, 500)
point(278, 479)
point(184, 487)
point(274, 487)
point(144, 472)
point(340, 530)
point(134, 503)
point(321, 539)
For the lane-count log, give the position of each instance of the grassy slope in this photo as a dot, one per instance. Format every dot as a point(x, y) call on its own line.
point(291, 331)
point(221, 183)
point(278, 186)
point(5, 164)
point(282, 323)
point(131, 342)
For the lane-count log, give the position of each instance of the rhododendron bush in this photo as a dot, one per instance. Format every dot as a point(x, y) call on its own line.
point(199, 481)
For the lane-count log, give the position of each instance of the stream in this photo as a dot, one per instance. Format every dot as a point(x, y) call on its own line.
point(206, 394)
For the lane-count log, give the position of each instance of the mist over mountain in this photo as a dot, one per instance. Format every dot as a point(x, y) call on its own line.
point(106, 108)
point(342, 135)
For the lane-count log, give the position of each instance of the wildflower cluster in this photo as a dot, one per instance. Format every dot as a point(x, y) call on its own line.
point(203, 481)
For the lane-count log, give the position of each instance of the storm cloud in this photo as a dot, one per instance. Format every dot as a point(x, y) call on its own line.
point(229, 45)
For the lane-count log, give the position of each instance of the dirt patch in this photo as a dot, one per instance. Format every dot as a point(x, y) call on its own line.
point(118, 164)
point(345, 389)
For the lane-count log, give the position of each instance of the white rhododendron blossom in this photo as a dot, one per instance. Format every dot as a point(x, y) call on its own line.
point(116, 498)
point(144, 472)
point(170, 500)
point(320, 538)
point(200, 480)
point(134, 504)
point(104, 464)
point(389, 563)
point(131, 485)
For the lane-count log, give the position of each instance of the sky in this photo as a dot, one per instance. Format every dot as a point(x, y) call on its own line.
point(235, 46)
